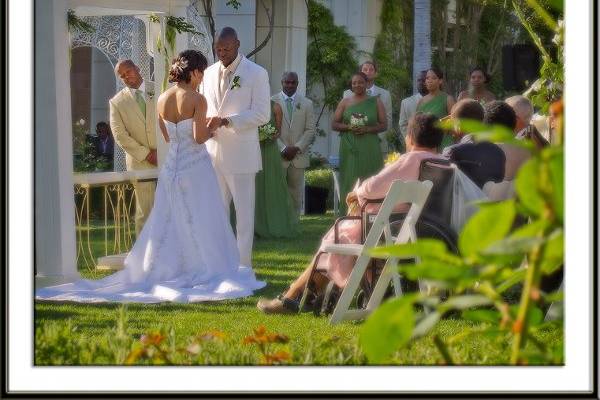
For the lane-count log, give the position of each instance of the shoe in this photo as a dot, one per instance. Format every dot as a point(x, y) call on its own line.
point(280, 305)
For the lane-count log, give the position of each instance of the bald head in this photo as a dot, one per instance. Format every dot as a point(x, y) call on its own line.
point(129, 73)
point(523, 108)
point(227, 45)
point(289, 83)
point(227, 33)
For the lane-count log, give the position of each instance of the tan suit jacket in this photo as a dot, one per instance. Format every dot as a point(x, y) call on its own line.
point(133, 131)
point(298, 132)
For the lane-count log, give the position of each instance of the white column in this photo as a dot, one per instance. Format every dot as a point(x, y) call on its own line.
point(286, 51)
point(54, 201)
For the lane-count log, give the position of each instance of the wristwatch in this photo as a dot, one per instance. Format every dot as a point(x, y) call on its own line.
point(225, 121)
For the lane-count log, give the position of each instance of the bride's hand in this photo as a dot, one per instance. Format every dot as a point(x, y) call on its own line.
point(213, 123)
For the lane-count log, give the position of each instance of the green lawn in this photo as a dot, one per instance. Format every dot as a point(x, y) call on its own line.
point(106, 334)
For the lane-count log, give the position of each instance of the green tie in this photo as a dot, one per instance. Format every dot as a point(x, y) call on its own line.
point(288, 103)
point(140, 100)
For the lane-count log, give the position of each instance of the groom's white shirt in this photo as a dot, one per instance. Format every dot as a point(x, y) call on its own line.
point(235, 149)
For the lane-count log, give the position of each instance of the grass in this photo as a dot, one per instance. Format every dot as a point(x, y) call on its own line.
point(69, 333)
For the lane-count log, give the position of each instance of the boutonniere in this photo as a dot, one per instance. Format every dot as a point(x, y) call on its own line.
point(297, 106)
point(150, 94)
point(236, 82)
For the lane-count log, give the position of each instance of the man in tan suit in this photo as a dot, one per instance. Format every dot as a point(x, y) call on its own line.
point(297, 133)
point(133, 122)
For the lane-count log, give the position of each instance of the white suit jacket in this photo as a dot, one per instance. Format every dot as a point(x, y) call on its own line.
point(235, 149)
point(300, 131)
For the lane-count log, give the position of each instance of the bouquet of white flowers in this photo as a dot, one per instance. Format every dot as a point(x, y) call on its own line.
point(358, 119)
point(266, 131)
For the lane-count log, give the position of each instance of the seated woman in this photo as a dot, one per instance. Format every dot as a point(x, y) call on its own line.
point(422, 140)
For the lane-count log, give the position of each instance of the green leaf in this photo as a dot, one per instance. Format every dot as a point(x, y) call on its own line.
point(465, 301)
point(534, 318)
point(436, 270)
point(490, 224)
point(558, 295)
point(558, 5)
point(423, 248)
point(526, 186)
point(531, 229)
point(514, 245)
point(516, 277)
point(388, 328)
point(553, 254)
point(557, 172)
point(489, 316)
point(426, 324)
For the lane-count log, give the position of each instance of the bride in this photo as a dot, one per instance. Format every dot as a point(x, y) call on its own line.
point(186, 251)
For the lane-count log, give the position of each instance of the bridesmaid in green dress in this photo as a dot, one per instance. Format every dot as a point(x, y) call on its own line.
point(274, 214)
point(436, 102)
point(358, 119)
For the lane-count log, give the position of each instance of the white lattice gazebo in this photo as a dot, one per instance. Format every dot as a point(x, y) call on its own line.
point(122, 30)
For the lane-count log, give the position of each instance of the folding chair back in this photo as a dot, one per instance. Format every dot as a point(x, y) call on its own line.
point(414, 193)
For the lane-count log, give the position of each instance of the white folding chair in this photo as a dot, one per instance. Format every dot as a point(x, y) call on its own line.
point(414, 193)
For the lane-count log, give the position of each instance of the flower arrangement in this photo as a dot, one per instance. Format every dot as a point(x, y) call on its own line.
point(236, 82)
point(358, 119)
point(266, 131)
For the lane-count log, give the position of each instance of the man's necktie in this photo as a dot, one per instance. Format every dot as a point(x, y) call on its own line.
point(224, 83)
point(139, 98)
point(288, 104)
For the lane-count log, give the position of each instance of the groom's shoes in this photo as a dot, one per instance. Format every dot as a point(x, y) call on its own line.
point(280, 305)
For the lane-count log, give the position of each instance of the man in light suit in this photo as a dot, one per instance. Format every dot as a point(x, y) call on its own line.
point(408, 106)
point(237, 92)
point(297, 133)
point(133, 123)
point(370, 70)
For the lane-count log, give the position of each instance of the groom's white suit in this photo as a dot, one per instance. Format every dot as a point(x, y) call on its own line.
point(235, 149)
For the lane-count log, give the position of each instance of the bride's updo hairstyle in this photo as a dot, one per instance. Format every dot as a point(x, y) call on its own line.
point(186, 62)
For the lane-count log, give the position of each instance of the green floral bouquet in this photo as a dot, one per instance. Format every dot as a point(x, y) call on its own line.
point(266, 131)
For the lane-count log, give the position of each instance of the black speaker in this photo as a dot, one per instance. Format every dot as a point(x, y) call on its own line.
point(520, 66)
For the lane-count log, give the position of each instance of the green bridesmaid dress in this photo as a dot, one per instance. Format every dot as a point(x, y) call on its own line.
point(360, 155)
point(438, 106)
point(274, 214)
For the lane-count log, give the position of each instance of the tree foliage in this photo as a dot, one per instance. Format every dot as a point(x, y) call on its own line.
point(330, 57)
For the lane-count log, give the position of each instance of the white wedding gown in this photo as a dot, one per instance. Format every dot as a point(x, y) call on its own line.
point(187, 251)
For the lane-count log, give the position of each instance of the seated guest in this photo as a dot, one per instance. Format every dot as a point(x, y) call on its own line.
point(105, 143)
point(480, 161)
point(524, 128)
point(500, 113)
point(422, 140)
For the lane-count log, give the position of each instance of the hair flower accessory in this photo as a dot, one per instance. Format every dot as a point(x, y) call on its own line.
point(236, 82)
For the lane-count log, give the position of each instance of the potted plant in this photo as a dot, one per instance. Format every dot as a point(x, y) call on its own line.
point(318, 184)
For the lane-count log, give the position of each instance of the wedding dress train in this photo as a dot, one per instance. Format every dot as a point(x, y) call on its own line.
point(187, 251)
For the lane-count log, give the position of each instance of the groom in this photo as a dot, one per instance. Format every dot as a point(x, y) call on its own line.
point(238, 96)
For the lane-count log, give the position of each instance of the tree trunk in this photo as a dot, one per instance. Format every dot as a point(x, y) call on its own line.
point(422, 39)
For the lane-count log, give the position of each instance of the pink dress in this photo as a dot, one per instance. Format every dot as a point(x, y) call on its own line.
point(406, 168)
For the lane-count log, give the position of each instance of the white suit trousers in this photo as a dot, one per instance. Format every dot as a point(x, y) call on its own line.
point(240, 188)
